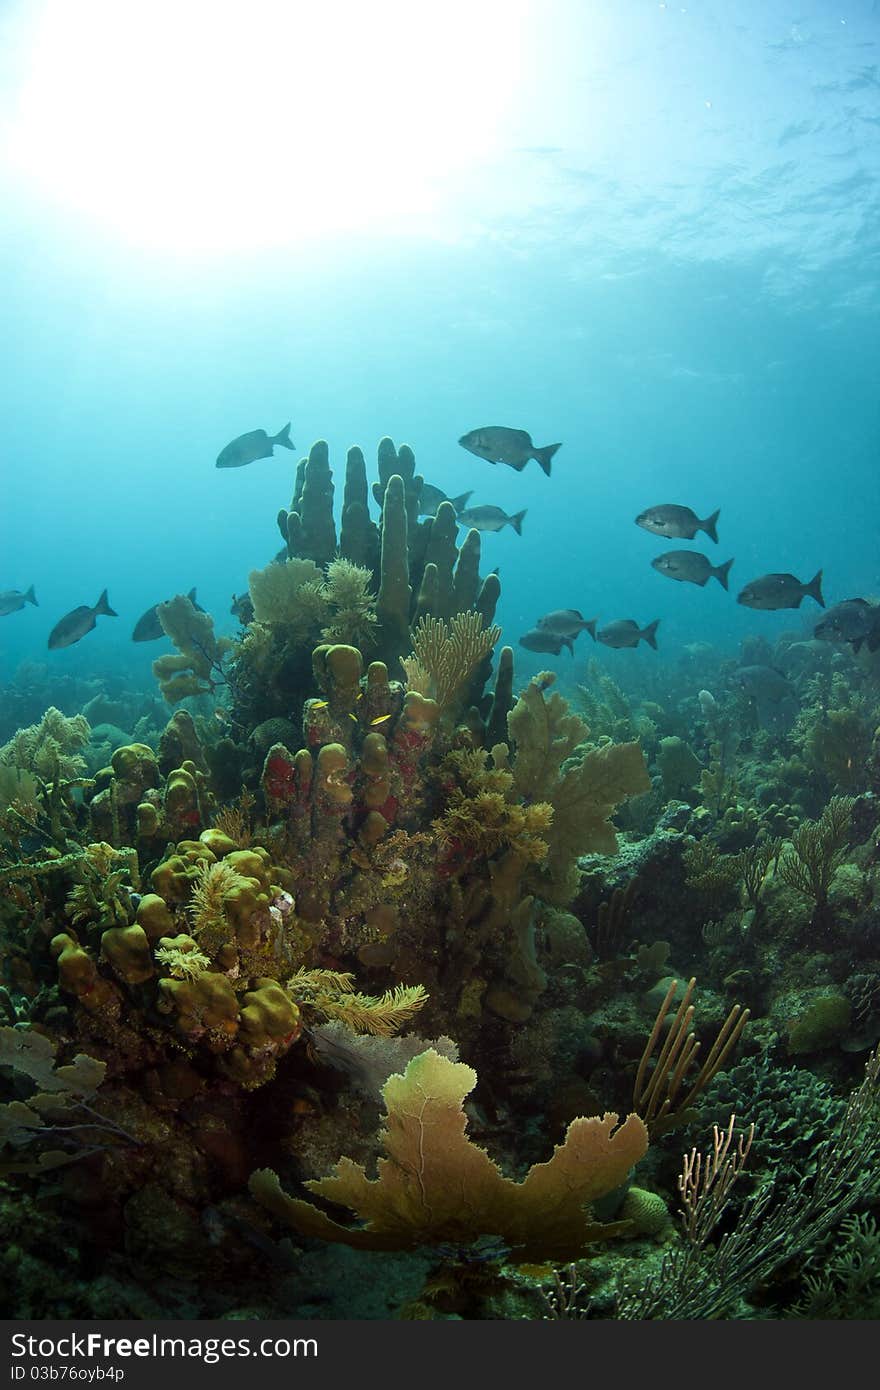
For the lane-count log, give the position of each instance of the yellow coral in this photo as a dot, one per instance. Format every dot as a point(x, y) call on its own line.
point(198, 664)
point(353, 607)
point(50, 748)
point(448, 653)
point(330, 994)
point(583, 792)
point(181, 957)
point(435, 1185)
point(289, 594)
point(214, 885)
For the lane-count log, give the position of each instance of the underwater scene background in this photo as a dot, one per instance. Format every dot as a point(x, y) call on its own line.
point(394, 912)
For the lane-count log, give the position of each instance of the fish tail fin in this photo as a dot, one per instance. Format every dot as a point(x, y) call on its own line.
point(459, 503)
point(591, 627)
point(814, 589)
point(722, 571)
point(30, 597)
point(649, 633)
point(103, 606)
point(283, 437)
point(517, 521)
point(545, 454)
point(709, 525)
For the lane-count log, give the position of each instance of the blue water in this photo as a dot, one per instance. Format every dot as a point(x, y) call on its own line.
point(665, 253)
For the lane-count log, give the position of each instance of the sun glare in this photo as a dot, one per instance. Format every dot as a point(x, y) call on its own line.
point(205, 127)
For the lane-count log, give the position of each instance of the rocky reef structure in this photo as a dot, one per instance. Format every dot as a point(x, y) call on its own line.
point(217, 941)
point(402, 826)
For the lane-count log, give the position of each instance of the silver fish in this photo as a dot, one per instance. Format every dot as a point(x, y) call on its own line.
point(540, 640)
point(499, 444)
point(431, 497)
point(773, 591)
point(625, 632)
point(690, 567)
point(855, 621)
point(13, 600)
point(75, 624)
point(677, 523)
point(149, 629)
point(490, 518)
point(566, 622)
point(255, 445)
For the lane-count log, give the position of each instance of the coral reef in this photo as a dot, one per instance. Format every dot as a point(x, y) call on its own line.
point(348, 861)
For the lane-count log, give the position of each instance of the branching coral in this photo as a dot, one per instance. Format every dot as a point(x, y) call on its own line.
point(705, 1276)
point(816, 850)
point(614, 921)
point(214, 885)
point(447, 654)
point(660, 1080)
point(352, 605)
point(583, 789)
point(754, 864)
point(305, 601)
point(198, 668)
point(182, 958)
point(435, 1185)
point(103, 894)
point(482, 814)
point(329, 994)
point(51, 749)
point(708, 872)
point(834, 732)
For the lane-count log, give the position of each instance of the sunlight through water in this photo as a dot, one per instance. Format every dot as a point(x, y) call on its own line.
point(221, 127)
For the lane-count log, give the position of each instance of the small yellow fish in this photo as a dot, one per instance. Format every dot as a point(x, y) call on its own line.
point(354, 717)
point(380, 719)
point(320, 704)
